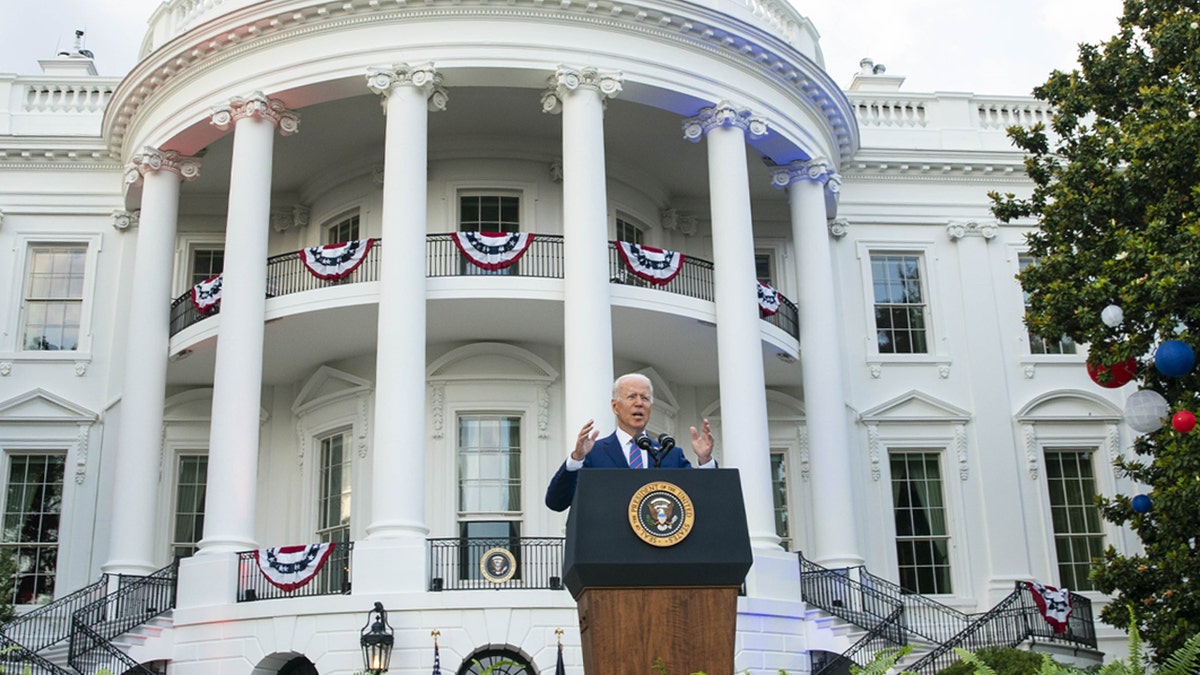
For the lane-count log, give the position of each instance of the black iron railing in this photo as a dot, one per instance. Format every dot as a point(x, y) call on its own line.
point(924, 617)
point(50, 624)
point(16, 658)
point(286, 274)
point(137, 600)
point(888, 634)
point(455, 563)
point(332, 579)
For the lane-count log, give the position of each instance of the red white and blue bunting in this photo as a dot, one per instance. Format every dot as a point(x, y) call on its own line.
point(768, 299)
point(335, 261)
point(493, 250)
point(1053, 603)
point(656, 265)
point(206, 295)
point(290, 567)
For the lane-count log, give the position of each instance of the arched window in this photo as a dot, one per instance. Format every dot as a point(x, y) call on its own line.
point(503, 662)
point(298, 666)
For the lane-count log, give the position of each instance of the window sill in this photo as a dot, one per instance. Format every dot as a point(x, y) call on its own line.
point(10, 361)
point(876, 363)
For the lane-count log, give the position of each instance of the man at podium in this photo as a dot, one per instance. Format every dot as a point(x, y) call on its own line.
point(632, 401)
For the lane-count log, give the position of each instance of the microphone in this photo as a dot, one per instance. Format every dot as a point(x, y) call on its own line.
point(645, 443)
point(666, 442)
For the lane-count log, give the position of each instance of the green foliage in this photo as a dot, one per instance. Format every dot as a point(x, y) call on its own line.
point(8, 572)
point(996, 661)
point(490, 669)
point(883, 662)
point(1117, 198)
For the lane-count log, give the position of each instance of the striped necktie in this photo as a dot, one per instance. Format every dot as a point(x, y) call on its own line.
point(635, 454)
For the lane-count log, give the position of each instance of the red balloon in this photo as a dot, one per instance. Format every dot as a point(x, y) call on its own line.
point(1183, 421)
point(1119, 374)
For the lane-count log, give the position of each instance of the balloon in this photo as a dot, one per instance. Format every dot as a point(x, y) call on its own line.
point(1142, 504)
point(1112, 316)
point(1119, 374)
point(1145, 410)
point(1183, 421)
point(1174, 358)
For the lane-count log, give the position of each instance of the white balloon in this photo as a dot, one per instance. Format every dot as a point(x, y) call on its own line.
point(1145, 410)
point(1112, 316)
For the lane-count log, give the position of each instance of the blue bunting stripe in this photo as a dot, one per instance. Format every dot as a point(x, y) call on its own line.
point(768, 299)
point(207, 293)
point(335, 261)
point(493, 250)
point(656, 265)
point(1053, 603)
point(290, 567)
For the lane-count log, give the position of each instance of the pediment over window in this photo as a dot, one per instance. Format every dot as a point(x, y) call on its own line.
point(326, 386)
point(1069, 406)
point(483, 361)
point(915, 406)
point(193, 405)
point(39, 405)
point(780, 406)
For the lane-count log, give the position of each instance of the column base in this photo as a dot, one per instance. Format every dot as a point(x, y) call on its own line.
point(775, 574)
point(389, 566)
point(129, 567)
point(207, 580)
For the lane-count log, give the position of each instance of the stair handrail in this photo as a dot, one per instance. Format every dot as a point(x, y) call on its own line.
point(13, 652)
point(26, 629)
point(122, 610)
point(889, 632)
point(117, 661)
point(836, 592)
point(987, 630)
point(925, 617)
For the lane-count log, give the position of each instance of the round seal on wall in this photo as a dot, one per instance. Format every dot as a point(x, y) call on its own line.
point(661, 514)
point(497, 565)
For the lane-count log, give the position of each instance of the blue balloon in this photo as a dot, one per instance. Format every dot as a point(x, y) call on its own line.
point(1141, 504)
point(1174, 358)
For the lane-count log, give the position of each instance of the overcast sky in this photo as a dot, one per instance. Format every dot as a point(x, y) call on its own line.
point(982, 46)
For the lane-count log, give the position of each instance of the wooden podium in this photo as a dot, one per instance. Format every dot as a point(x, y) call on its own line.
point(654, 560)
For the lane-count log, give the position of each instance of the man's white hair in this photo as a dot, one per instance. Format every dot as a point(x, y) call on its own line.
point(632, 376)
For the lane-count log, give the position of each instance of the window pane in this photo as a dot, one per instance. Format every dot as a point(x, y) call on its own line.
point(779, 497)
point(922, 535)
point(1078, 537)
point(33, 502)
point(489, 463)
point(53, 302)
point(190, 487)
point(334, 498)
point(899, 304)
point(1038, 344)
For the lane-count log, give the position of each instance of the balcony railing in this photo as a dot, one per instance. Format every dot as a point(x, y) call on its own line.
point(286, 274)
point(455, 564)
point(333, 578)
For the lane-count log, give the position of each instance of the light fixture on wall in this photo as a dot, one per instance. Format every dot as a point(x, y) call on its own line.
point(376, 640)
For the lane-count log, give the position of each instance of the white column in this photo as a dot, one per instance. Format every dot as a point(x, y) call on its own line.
point(835, 536)
point(579, 94)
point(131, 548)
point(229, 506)
point(745, 440)
point(397, 531)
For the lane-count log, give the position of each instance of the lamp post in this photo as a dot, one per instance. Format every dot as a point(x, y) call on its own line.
point(376, 640)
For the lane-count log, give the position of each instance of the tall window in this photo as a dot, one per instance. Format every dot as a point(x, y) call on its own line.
point(54, 297)
point(191, 482)
point(779, 497)
point(900, 308)
point(333, 521)
point(207, 263)
point(489, 487)
point(31, 516)
point(922, 537)
point(1078, 537)
point(1037, 343)
point(489, 213)
point(343, 229)
point(629, 231)
point(764, 268)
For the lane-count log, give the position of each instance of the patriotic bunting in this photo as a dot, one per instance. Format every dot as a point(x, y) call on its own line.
point(768, 299)
point(207, 294)
point(656, 265)
point(437, 659)
point(493, 250)
point(290, 567)
point(1054, 604)
point(335, 261)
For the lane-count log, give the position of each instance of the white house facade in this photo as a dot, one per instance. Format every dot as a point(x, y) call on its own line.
point(356, 273)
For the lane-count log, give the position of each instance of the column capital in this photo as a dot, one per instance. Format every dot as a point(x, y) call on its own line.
point(123, 220)
point(958, 229)
point(724, 114)
point(153, 159)
point(816, 170)
point(567, 79)
point(257, 105)
point(423, 76)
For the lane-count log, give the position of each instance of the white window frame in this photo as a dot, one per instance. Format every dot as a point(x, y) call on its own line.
point(526, 192)
point(1020, 334)
point(940, 452)
point(11, 348)
point(347, 432)
point(934, 302)
point(337, 220)
point(16, 447)
point(186, 246)
point(1093, 453)
point(633, 222)
point(173, 480)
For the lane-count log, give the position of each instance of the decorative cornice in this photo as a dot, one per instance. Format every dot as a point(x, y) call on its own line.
point(816, 170)
point(960, 446)
point(678, 221)
point(566, 80)
point(423, 77)
point(437, 409)
point(284, 218)
point(153, 159)
point(123, 220)
point(957, 229)
point(724, 114)
point(543, 415)
point(81, 453)
point(1031, 458)
point(257, 105)
point(873, 450)
point(363, 430)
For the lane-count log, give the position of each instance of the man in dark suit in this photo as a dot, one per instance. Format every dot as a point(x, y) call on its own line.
point(632, 400)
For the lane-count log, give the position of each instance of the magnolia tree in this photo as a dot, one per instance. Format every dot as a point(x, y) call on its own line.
point(1117, 199)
